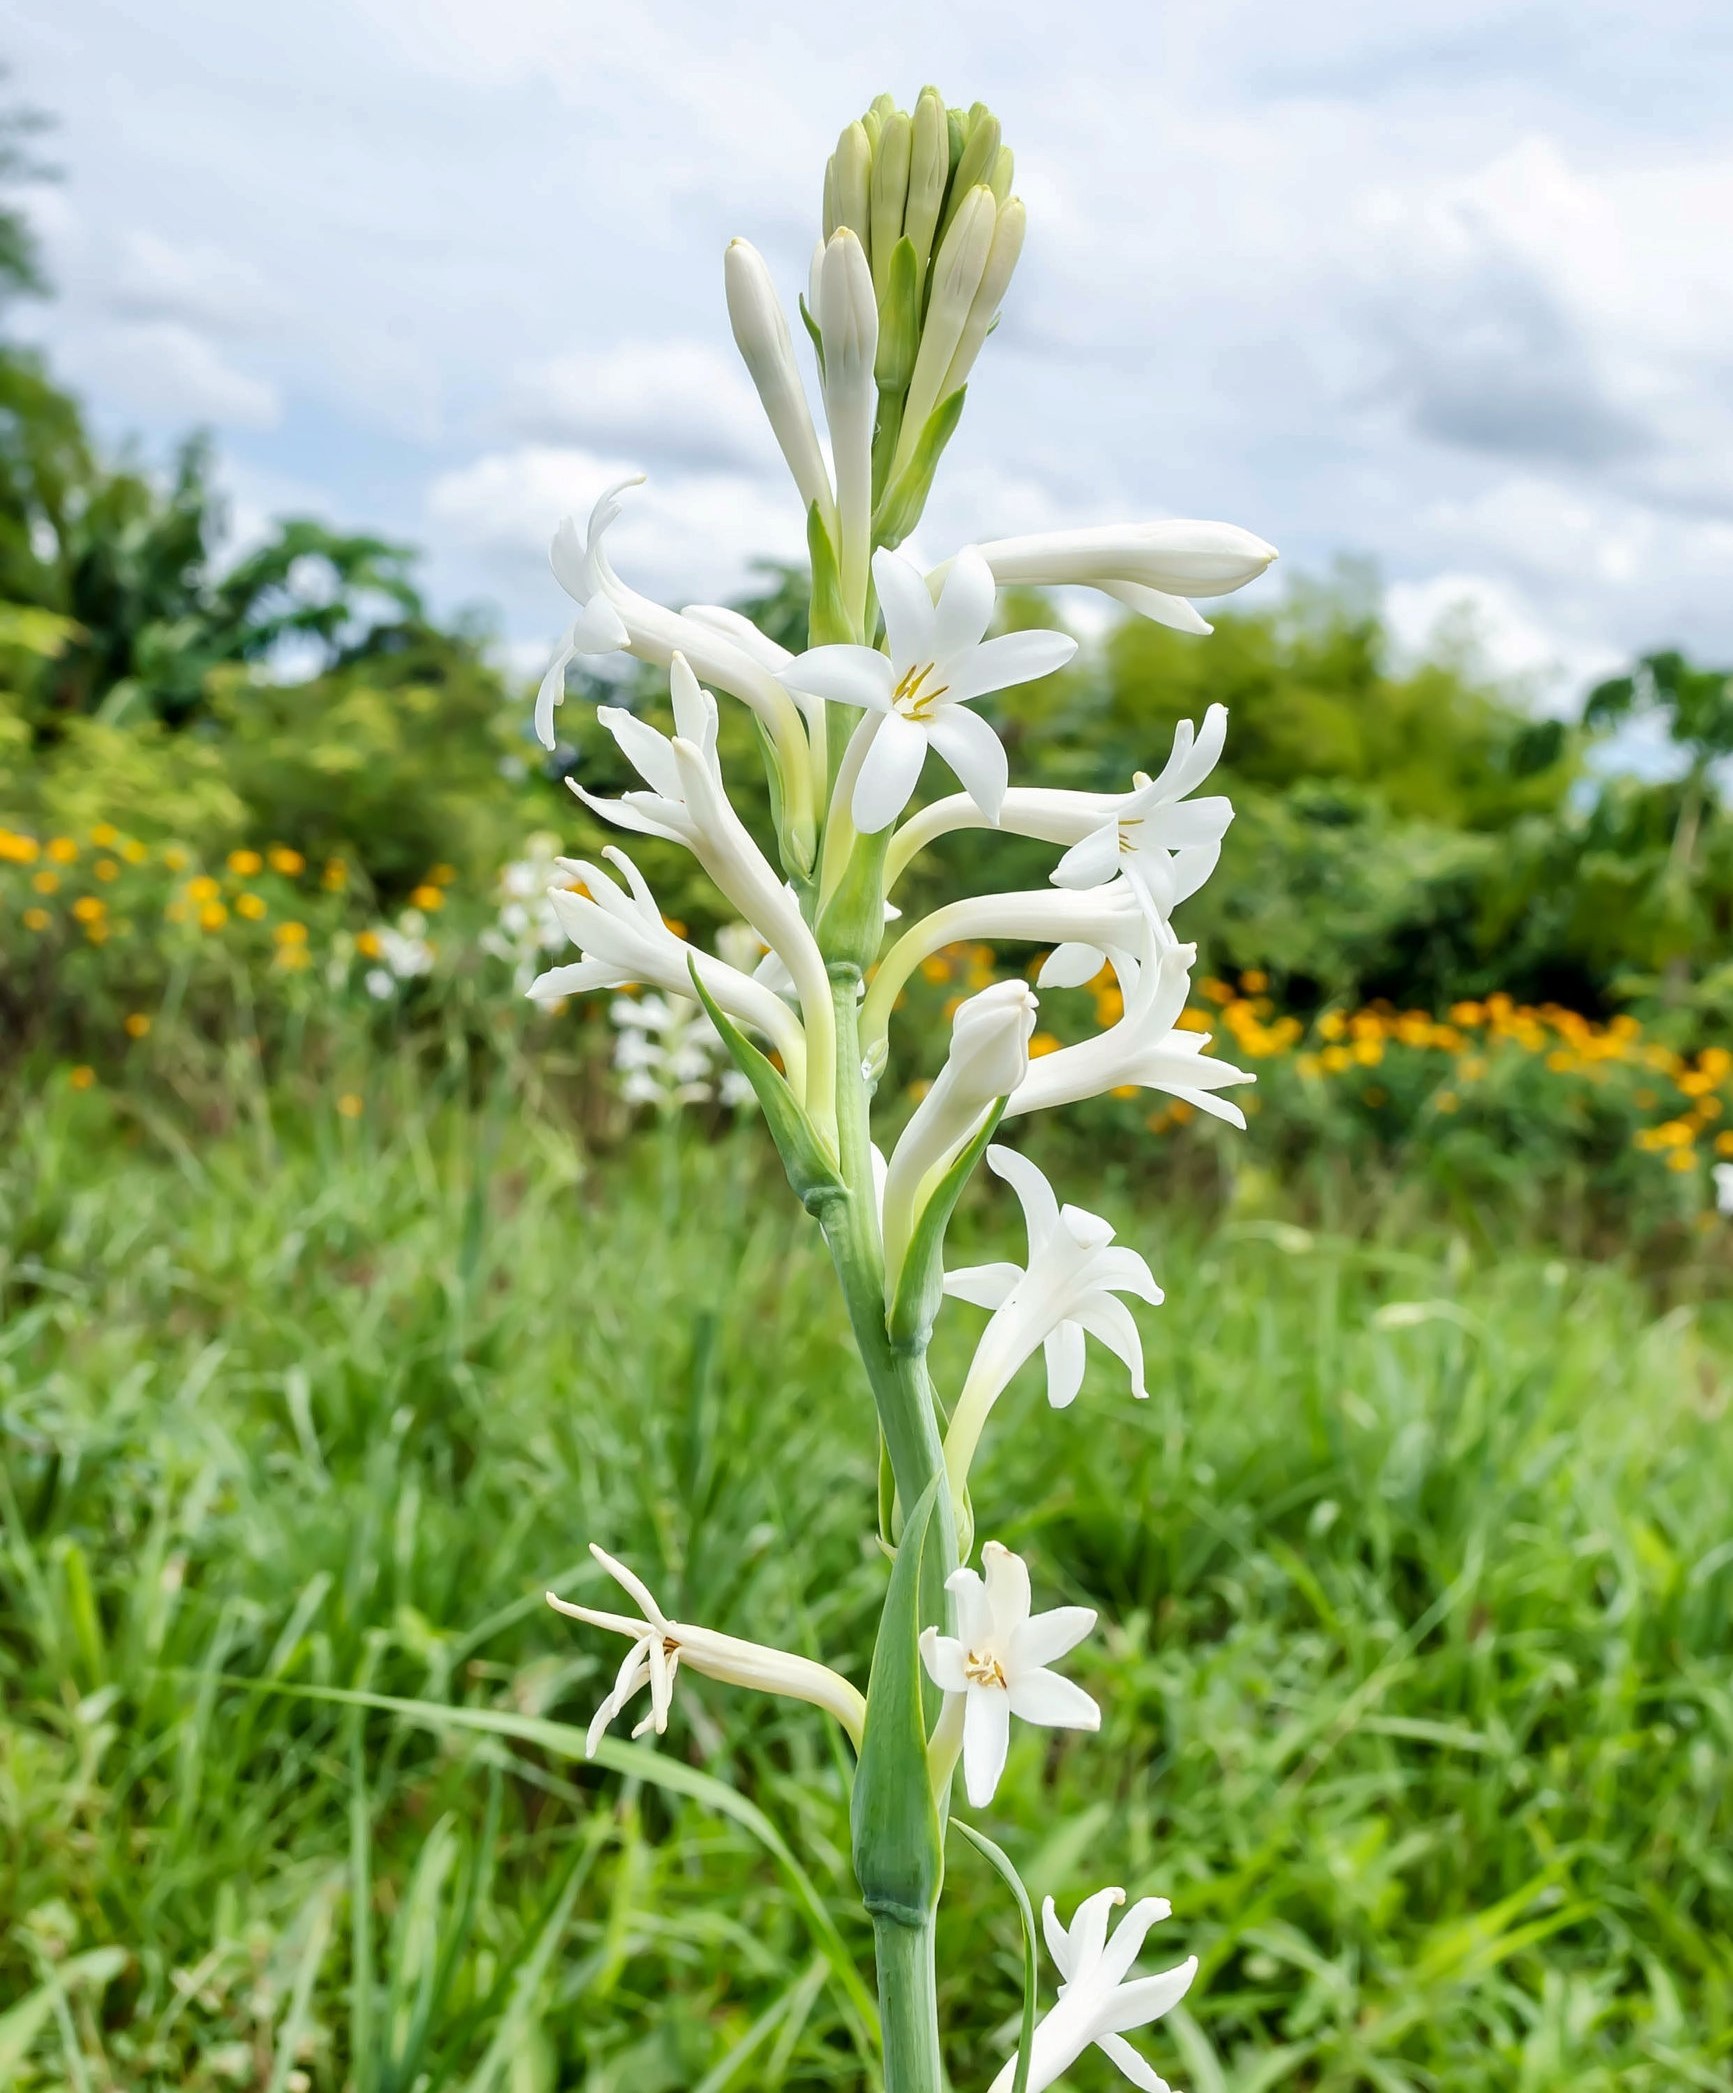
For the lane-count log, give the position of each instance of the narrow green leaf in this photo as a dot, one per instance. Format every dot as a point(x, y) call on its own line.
point(827, 619)
point(1001, 1861)
point(899, 320)
point(905, 498)
point(810, 1170)
point(812, 329)
point(921, 1282)
point(898, 1850)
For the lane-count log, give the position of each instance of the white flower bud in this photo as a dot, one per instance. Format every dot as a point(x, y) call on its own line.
point(762, 337)
point(1008, 230)
point(957, 277)
point(848, 322)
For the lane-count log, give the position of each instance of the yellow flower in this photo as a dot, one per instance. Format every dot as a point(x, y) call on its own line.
point(1308, 1064)
point(213, 916)
point(63, 851)
point(175, 858)
point(1217, 991)
point(428, 898)
point(104, 836)
point(1715, 1062)
point(349, 1105)
point(45, 882)
point(286, 861)
point(293, 957)
point(81, 1078)
point(244, 863)
point(368, 945)
point(88, 908)
point(1696, 1084)
point(935, 968)
point(1123, 1090)
point(251, 906)
point(37, 919)
point(1368, 1052)
point(1724, 1143)
point(18, 850)
point(1446, 1101)
point(335, 875)
point(290, 933)
point(1466, 1013)
point(1336, 1059)
point(1681, 1159)
point(1332, 1025)
point(134, 851)
point(202, 889)
point(1254, 981)
point(1042, 1043)
point(136, 1024)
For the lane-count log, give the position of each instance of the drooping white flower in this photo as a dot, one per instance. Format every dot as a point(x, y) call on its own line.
point(623, 939)
point(989, 1054)
point(688, 803)
point(612, 616)
point(939, 660)
point(995, 1666)
point(1145, 1048)
point(659, 1646)
point(1152, 568)
point(1722, 1173)
point(1156, 833)
point(1099, 1999)
point(1069, 1287)
point(762, 337)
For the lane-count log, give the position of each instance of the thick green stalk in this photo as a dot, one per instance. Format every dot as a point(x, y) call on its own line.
point(908, 1416)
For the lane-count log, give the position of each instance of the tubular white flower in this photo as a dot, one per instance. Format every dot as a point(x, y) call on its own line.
point(688, 803)
point(958, 269)
point(1155, 821)
point(762, 337)
point(1114, 919)
point(989, 1055)
point(939, 658)
point(623, 939)
point(1152, 568)
point(1099, 1999)
point(1144, 1048)
point(1068, 1288)
point(612, 616)
point(660, 1646)
point(848, 323)
point(995, 1667)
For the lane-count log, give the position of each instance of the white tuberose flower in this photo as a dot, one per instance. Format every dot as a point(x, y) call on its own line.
point(996, 1666)
point(1152, 568)
point(1723, 1176)
point(623, 939)
point(938, 660)
point(659, 1645)
point(1096, 2002)
point(1069, 1287)
point(1146, 1047)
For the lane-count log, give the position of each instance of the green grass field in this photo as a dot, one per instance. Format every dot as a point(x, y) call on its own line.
point(1415, 1576)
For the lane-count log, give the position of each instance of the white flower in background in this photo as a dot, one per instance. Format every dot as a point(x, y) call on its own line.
point(404, 953)
point(1146, 1048)
point(525, 926)
point(995, 1667)
point(623, 940)
point(667, 1053)
point(659, 1646)
point(1068, 1288)
point(1722, 1173)
point(989, 1053)
point(1152, 568)
point(612, 616)
point(1099, 1999)
point(919, 692)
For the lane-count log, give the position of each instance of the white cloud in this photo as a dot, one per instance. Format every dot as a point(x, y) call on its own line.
point(1485, 619)
point(679, 400)
point(199, 284)
point(162, 367)
point(686, 538)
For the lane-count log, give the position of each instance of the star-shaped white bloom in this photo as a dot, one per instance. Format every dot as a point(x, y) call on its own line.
point(659, 1645)
point(938, 659)
point(1099, 1999)
point(996, 1666)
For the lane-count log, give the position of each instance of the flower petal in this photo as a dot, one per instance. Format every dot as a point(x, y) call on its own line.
point(647, 751)
point(552, 693)
point(1007, 1589)
point(1052, 1702)
point(1089, 1926)
point(965, 605)
point(1034, 1194)
point(1136, 2004)
point(1070, 966)
point(983, 1286)
point(1157, 606)
point(1142, 2075)
point(849, 675)
point(986, 1742)
point(907, 604)
point(1123, 1271)
point(974, 1620)
point(1106, 1317)
point(943, 1657)
point(1046, 1636)
point(1063, 1350)
point(741, 630)
point(1014, 657)
point(1058, 1940)
point(977, 755)
point(889, 773)
point(1129, 1935)
point(1091, 863)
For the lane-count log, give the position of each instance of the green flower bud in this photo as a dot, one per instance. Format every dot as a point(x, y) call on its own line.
point(929, 176)
point(890, 188)
point(853, 162)
point(980, 152)
point(1004, 168)
point(1002, 258)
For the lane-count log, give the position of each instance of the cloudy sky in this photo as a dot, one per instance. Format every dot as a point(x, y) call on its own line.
point(1445, 284)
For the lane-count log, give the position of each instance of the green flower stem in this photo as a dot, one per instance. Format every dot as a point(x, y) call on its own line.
point(908, 1416)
